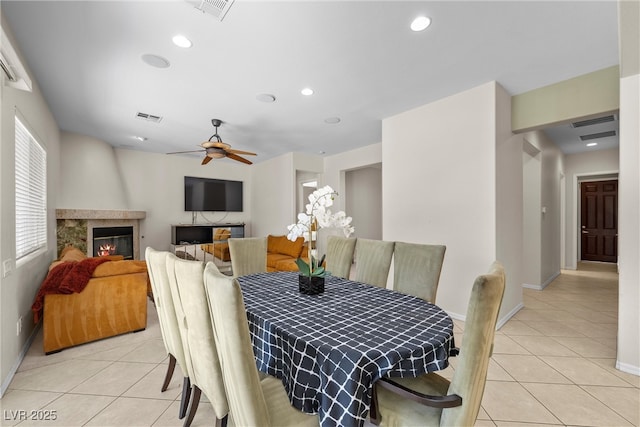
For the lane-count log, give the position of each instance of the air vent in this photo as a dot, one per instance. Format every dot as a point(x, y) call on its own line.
point(217, 8)
point(598, 135)
point(598, 120)
point(149, 117)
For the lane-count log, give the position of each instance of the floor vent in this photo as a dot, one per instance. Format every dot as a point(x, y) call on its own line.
point(217, 8)
point(598, 135)
point(149, 117)
point(597, 120)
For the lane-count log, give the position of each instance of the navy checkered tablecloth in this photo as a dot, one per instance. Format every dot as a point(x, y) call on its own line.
point(329, 349)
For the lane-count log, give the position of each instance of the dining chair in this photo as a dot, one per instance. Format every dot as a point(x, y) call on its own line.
point(416, 269)
point(248, 255)
point(431, 399)
point(163, 301)
point(207, 372)
point(252, 402)
point(340, 255)
point(373, 261)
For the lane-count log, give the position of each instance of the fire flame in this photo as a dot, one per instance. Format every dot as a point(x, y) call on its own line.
point(106, 249)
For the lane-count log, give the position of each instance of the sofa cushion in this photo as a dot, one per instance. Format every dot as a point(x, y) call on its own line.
point(287, 264)
point(284, 246)
point(274, 258)
point(116, 268)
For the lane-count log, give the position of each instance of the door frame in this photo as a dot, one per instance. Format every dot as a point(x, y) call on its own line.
point(575, 240)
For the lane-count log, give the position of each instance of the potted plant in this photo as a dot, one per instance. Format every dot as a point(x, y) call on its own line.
point(317, 215)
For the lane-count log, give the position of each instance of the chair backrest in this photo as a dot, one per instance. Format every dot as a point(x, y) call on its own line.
point(373, 261)
point(248, 255)
point(416, 269)
point(207, 372)
point(181, 318)
point(340, 255)
point(157, 267)
point(247, 404)
point(470, 374)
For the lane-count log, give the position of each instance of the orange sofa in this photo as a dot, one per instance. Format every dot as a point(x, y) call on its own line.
point(282, 253)
point(113, 302)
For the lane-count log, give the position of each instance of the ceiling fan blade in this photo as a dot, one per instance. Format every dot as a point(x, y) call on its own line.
point(208, 144)
point(206, 160)
point(241, 152)
point(183, 152)
point(238, 158)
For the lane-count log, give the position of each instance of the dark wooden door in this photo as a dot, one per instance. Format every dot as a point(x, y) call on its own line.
point(599, 220)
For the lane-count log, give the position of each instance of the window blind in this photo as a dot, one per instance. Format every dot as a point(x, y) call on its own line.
point(31, 193)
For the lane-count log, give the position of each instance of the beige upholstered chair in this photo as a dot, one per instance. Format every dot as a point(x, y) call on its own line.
point(157, 267)
point(416, 269)
point(444, 403)
point(207, 373)
point(248, 255)
point(373, 261)
point(252, 402)
point(340, 255)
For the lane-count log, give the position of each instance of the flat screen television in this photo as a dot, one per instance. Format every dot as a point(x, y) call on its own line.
point(207, 194)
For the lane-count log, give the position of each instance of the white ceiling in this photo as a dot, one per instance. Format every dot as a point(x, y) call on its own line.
point(360, 58)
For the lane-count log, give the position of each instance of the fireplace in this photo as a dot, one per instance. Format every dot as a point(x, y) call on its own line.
point(76, 227)
point(113, 241)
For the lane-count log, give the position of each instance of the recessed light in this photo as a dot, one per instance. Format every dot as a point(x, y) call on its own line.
point(592, 144)
point(140, 138)
point(420, 23)
point(332, 120)
point(181, 41)
point(265, 97)
point(155, 60)
point(307, 91)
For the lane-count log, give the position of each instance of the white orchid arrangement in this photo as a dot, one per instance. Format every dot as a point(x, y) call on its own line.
point(318, 215)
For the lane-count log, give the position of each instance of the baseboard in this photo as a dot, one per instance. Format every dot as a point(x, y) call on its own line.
point(629, 369)
point(508, 316)
point(542, 285)
point(21, 356)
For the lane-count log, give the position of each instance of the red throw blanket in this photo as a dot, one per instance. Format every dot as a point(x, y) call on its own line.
point(65, 278)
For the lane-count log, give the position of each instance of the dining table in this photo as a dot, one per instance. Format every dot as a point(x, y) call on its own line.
point(329, 349)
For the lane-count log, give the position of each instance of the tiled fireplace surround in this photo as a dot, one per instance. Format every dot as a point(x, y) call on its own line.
point(75, 226)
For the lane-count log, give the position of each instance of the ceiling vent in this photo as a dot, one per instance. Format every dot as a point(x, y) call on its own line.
point(217, 8)
point(598, 135)
point(149, 117)
point(596, 121)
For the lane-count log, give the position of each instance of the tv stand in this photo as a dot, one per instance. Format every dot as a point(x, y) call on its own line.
point(195, 234)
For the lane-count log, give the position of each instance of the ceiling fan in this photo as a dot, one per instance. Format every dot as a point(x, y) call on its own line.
point(216, 149)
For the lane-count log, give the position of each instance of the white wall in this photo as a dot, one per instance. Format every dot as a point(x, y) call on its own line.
point(90, 177)
point(363, 201)
point(336, 166)
point(18, 289)
point(532, 235)
point(273, 196)
point(543, 212)
point(451, 174)
point(578, 166)
point(628, 358)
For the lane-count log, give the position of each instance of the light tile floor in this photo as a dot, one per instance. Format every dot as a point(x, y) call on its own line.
point(553, 364)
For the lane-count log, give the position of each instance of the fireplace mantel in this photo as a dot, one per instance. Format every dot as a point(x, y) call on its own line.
point(99, 214)
point(75, 226)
